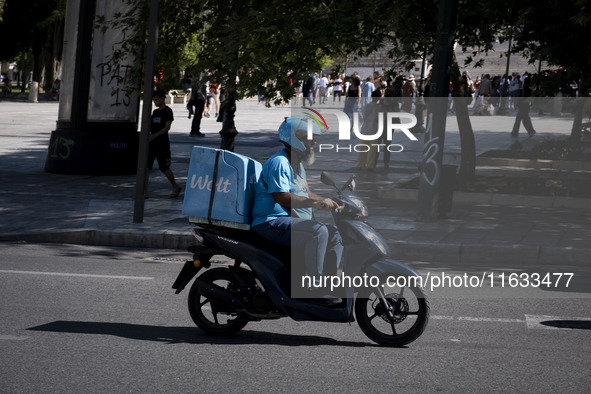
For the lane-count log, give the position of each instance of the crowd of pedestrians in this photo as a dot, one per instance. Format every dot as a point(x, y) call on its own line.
point(355, 93)
point(363, 102)
point(488, 95)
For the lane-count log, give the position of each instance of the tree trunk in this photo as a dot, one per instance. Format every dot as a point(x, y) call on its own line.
point(577, 129)
point(37, 60)
point(576, 133)
point(229, 131)
point(52, 53)
point(467, 141)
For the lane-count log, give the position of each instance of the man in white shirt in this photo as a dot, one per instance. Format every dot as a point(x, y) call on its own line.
point(322, 88)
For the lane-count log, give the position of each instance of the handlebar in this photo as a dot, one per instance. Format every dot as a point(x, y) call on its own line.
point(339, 209)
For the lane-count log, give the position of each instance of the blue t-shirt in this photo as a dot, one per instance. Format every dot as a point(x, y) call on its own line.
point(277, 176)
point(367, 88)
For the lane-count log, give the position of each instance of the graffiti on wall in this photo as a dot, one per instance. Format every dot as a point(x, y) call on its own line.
point(116, 78)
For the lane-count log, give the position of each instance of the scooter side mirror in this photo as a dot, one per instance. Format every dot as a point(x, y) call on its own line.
point(326, 178)
point(350, 185)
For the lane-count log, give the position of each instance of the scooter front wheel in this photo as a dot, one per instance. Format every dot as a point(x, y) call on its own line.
point(392, 316)
point(210, 315)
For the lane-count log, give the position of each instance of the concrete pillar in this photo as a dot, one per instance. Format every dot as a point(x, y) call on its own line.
point(96, 131)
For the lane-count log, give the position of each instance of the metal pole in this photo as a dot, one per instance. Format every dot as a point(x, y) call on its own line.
point(422, 79)
point(140, 181)
point(419, 100)
point(431, 165)
point(505, 92)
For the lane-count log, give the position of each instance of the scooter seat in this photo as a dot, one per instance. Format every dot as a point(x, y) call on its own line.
point(280, 252)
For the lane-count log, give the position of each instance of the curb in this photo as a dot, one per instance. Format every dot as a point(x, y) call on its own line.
point(490, 255)
point(533, 163)
point(512, 200)
point(146, 240)
point(430, 252)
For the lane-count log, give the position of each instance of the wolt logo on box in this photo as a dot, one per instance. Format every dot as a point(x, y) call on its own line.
point(222, 186)
point(402, 121)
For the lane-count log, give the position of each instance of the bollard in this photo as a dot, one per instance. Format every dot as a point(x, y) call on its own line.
point(33, 91)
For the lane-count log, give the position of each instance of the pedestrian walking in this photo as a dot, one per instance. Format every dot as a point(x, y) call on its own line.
point(389, 103)
point(159, 149)
point(408, 91)
point(323, 88)
point(366, 160)
point(523, 110)
point(367, 89)
point(197, 105)
point(307, 91)
point(353, 98)
point(337, 89)
point(484, 91)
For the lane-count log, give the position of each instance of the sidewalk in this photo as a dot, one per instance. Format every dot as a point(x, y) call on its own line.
point(39, 207)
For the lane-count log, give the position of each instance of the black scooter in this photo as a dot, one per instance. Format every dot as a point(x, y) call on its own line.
point(382, 294)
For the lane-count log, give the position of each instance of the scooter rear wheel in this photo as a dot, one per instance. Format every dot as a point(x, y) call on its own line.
point(206, 314)
point(396, 324)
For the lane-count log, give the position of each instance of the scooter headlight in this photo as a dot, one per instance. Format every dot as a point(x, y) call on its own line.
point(357, 204)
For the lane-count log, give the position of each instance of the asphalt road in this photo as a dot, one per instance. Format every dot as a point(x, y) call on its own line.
point(96, 320)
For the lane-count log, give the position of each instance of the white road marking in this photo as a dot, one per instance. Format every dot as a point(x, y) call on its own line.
point(76, 275)
point(481, 319)
point(542, 322)
point(12, 338)
point(434, 317)
point(491, 319)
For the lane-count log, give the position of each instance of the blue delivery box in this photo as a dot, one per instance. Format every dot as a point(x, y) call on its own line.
point(220, 188)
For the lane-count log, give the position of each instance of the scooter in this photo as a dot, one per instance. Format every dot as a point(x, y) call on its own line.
point(382, 294)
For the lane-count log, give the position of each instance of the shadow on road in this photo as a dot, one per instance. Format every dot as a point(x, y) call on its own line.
point(191, 335)
point(572, 324)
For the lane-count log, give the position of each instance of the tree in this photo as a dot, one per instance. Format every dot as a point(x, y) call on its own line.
point(35, 28)
point(260, 42)
point(260, 46)
point(557, 31)
point(413, 31)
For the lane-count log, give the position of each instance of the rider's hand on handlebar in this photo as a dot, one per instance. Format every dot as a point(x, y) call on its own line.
point(326, 203)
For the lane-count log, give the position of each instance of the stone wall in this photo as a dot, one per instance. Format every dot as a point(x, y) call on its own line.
point(495, 62)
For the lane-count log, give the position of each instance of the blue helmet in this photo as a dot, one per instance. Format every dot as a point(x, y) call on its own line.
point(294, 130)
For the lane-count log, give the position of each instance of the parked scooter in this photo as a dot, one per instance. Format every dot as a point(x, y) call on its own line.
point(222, 300)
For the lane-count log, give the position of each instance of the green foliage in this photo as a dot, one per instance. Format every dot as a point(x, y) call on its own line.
point(271, 45)
point(264, 41)
point(25, 23)
point(556, 31)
